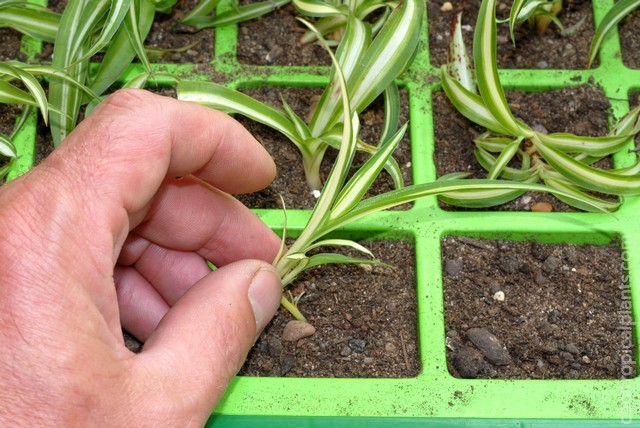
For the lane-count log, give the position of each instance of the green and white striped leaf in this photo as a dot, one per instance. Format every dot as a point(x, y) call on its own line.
point(391, 113)
point(201, 9)
point(629, 124)
point(121, 51)
point(389, 54)
point(621, 9)
point(318, 8)
point(588, 177)
point(351, 194)
point(340, 243)
point(326, 25)
point(33, 86)
point(578, 198)
point(485, 58)
point(504, 158)
point(239, 14)
point(332, 258)
point(232, 101)
point(470, 105)
point(593, 146)
point(7, 148)
point(350, 53)
point(30, 19)
point(487, 161)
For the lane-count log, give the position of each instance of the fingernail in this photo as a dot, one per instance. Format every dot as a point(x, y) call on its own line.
point(265, 292)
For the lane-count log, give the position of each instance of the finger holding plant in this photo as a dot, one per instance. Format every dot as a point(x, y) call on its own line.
point(562, 161)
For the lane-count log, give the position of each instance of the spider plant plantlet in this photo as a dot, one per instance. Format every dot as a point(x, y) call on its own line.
point(333, 15)
point(538, 13)
point(370, 66)
point(560, 160)
point(342, 200)
point(86, 27)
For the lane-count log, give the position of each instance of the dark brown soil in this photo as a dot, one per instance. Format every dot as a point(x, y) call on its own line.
point(549, 50)
point(560, 317)
point(290, 182)
point(581, 109)
point(10, 45)
point(630, 39)
point(8, 115)
point(167, 33)
point(273, 39)
point(44, 142)
point(365, 318)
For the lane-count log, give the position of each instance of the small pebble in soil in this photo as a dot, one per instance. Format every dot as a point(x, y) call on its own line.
point(446, 7)
point(551, 264)
point(539, 278)
point(453, 267)
point(468, 362)
point(499, 296)
point(296, 330)
point(542, 207)
point(489, 345)
point(357, 345)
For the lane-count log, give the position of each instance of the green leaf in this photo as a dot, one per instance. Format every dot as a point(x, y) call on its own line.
point(416, 191)
point(201, 9)
point(578, 198)
point(588, 177)
point(33, 86)
point(354, 190)
point(7, 148)
point(485, 58)
point(318, 8)
point(121, 51)
point(232, 101)
point(136, 34)
point(621, 9)
point(391, 113)
point(30, 19)
point(470, 105)
point(389, 54)
point(349, 54)
point(331, 258)
point(487, 161)
point(240, 14)
point(593, 146)
point(340, 243)
point(324, 26)
point(503, 160)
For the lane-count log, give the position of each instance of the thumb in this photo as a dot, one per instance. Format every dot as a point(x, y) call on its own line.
point(202, 342)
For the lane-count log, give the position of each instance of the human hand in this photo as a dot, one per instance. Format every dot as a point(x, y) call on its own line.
point(102, 234)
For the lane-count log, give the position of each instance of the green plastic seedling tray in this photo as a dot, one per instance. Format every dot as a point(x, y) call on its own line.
point(434, 397)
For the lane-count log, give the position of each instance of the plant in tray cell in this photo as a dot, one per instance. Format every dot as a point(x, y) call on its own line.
point(610, 20)
point(19, 85)
point(116, 28)
point(538, 13)
point(333, 15)
point(198, 17)
point(370, 65)
point(342, 200)
point(561, 161)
